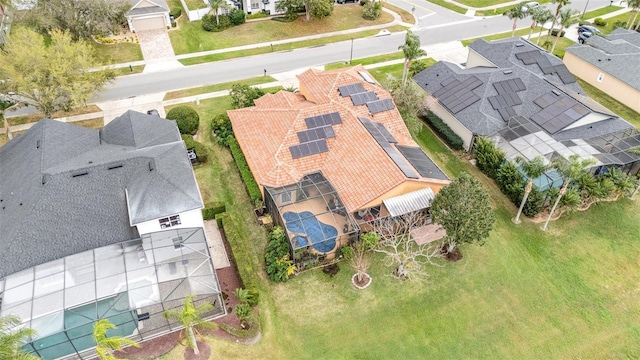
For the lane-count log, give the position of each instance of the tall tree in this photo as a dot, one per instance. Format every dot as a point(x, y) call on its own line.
point(464, 211)
point(190, 316)
point(515, 13)
point(83, 19)
point(106, 345)
point(532, 170)
point(407, 258)
point(216, 5)
point(540, 16)
point(12, 337)
point(556, 16)
point(411, 50)
point(51, 77)
point(568, 17)
point(570, 170)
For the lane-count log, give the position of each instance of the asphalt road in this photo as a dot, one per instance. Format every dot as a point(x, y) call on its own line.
point(435, 25)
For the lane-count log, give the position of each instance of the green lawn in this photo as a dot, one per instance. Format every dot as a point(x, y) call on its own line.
point(117, 53)
point(216, 87)
point(599, 12)
point(190, 37)
point(610, 103)
point(570, 292)
point(448, 5)
point(610, 21)
point(366, 61)
point(195, 4)
point(504, 35)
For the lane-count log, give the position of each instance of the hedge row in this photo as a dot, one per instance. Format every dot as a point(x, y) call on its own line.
point(201, 150)
point(247, 177)
point(211, 210)
point(443, 130)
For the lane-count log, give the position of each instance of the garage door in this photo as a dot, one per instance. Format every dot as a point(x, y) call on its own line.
point(153, 23)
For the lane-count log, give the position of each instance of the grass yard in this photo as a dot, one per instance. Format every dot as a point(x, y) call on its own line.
point(195, 4)
point(563, 43)
point(216, 87)
point(19, 120)
point(116, 53)
point(599, 12)
point(504, 35)
point(366, 61)
point(610, 21)
point(190, 37)
point(610, 103)
point(448, 5)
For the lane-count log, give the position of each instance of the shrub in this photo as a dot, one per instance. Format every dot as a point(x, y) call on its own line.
point(554, 32)
point(257, 15)
point(186, 117)
point(277, 256)
point(584, 23)
point(201, 150)
point(619, 24)
point(443, 130)
point(510, 181)
point(209, 22)
point(534, 202)
point(489, 158)
point(600, 22)
point(247, 177)
point(284, 19)
point(243, 311)
point(237, 17)
point(372, 10)
point(211, 210)
point(221, 125)
point(243, 95)
point(220, 220)
point(175, 12)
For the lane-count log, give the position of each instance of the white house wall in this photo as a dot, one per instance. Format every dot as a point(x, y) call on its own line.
point(188, 219)
point(474, 59)
point(465, 134)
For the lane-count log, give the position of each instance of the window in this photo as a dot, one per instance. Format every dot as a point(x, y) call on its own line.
point(286, 197)
point(170, 221)
point(600, 77)
point(255, 5)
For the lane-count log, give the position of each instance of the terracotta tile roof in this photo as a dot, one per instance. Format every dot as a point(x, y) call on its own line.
point(356, 165)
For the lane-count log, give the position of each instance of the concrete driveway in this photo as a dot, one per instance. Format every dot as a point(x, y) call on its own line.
point(157, 50)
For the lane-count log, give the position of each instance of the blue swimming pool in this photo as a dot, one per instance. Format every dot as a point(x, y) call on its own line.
point(323, 236)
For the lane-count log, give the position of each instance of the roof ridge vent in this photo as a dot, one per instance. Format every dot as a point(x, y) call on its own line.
point(556, 92)
point(519, 44)
point(506, 72)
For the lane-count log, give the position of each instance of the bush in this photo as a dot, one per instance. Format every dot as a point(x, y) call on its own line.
point(257, 15)
point(211, 210)
point(600, 22)
point(243, 95)
point(209, 22)
point(534, 202)
point(510, 182)
point(201, 150)
point(619, 24)
point(284, 19)
point(221, 125)
point(489, 158)
point(175, 12)
point(186, 117)
point(220, 220)
point(584, 23)
point(554, 32)
point(372, 10)
point(277, 255)
point(237, 17)
point(443, 130)
point(247, 177)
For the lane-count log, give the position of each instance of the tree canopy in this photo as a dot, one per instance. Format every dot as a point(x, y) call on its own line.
point(316, 9)
point(52, 77)
point(411, 50)
point(462, 208)
point(106, 345)
point(11, 338)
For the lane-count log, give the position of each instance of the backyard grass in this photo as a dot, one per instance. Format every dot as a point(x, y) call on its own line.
point(195, 4)
point(19, 120)
point(599, 12)
point(192, 38)
point(448, 5)
point(504, 35)
point(216, 87)
point(610, 103)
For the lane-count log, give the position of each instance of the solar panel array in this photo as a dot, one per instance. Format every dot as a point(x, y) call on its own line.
point(421, 162)
point(387, 135)
point(557, 112)
point(456, 95)
point(323, 120)
point(318, 133)
point(507, 97)
point(382, 139)
point(380, 106)
point(363, 97)
point(537, 57)
point(308, 148)
point(349, 89)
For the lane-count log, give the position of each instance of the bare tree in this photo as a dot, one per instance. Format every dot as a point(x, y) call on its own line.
point(407, 257)
point(358, 254)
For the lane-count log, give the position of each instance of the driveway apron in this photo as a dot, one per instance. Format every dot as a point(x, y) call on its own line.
point(157, 50)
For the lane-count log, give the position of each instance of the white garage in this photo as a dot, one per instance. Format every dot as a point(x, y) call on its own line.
point(148, 15)
point(152, 23)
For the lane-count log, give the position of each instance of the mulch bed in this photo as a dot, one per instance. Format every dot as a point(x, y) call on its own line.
point(154, 348)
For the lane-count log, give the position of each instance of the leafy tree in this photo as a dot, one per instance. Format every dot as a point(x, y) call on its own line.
point(407, 258)
point(358, 254)
point(488, 157)
point(83, 19)
point(510, 181)
point(556, 16)
point(243, 95)
point(186, 118)
point(411, 50)
point(316, 9)
point(290, 8)
point(567, 18)
point(540, 16)
point(570, 170)
point(515, 13)
point(50, 77)
point(532, 169)
point(216, 5)
point(372, 10)
point(106, 345)
point(221, 126)
point(278, 263)
point(409, 99)
point(464, 211)
point(12, 337)
point(190, 316)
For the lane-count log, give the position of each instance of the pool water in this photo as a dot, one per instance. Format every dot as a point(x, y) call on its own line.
point(322, 236)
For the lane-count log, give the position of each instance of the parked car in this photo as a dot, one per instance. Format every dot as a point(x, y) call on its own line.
point(587, 28)
point(530, 5)
point(584, 36)
point(153, 112)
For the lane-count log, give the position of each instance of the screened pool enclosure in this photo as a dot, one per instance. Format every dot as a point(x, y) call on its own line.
point(315, 219)
point(130, 283)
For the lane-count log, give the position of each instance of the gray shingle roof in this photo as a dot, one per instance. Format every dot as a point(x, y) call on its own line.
point(62, 187)
point(617, 54)
point(160, 6)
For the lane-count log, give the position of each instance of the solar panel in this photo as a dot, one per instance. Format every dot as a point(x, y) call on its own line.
point(323, 120)
point(385, 132)
point(362, 98)
point(456, 95)
point(421, 162)
point(380, 105)
point(366, 77)
point(349, 89)
point(557, 112)
point(563, 73)
point(394, 155)
point(308, 148)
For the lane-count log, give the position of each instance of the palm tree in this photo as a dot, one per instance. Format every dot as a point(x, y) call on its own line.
point(567, 18)
point(515, 13)
point(635, 6)
point(190, 317)
point(540, 16)
point(411, 49)
point(532, 169)
point(216, 5)
point(560, 3)
point(12, 337)
point(570, 170)
point(106, 345)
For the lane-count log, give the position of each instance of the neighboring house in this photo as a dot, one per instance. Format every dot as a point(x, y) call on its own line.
point(511, 82)
point(332, 158)
point(100, 224)
point(256, 6)
point(611, 64)
point(148, 15)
